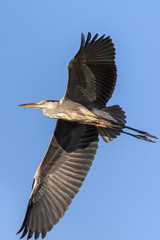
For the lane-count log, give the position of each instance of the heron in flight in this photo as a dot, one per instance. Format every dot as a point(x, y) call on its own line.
point(82, 116)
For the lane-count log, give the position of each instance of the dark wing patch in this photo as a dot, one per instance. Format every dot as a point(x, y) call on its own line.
point(62, 172)
point(92, 72)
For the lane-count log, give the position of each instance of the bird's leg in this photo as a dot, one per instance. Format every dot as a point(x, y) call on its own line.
point(139, 136)
point(141, 132)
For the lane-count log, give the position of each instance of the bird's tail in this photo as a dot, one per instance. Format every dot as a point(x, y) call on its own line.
point(118, 123)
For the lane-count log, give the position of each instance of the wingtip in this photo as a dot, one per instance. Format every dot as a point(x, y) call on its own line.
point(82, 35)
point(36, 234)
point(24, 233)
point(88, 39)
point(82, 39)
point(96, 36)
point(89, 35)
point(20, 230)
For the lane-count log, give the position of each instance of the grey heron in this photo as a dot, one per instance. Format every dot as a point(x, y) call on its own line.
point(82, 115)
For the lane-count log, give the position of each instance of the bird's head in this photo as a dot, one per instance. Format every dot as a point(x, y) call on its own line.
point(42, 104)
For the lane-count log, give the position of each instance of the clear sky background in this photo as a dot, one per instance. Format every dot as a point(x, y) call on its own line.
point(120, 198)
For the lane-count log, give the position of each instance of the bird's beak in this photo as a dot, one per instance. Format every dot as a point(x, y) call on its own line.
point(34, 105)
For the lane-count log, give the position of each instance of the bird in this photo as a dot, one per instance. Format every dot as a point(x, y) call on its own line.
point(82, 116)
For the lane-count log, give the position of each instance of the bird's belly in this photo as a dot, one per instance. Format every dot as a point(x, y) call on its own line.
point(81, 115)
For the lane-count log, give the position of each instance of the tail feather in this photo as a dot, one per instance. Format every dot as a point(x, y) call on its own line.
point(118, 115)
point(108, 133)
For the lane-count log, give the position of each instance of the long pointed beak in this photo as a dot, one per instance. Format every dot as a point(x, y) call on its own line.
point(34, 105)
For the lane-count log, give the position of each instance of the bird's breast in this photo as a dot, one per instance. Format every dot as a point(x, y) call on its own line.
point(74, 113)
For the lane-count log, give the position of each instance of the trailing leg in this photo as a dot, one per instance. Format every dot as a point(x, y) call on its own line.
point(116, 116)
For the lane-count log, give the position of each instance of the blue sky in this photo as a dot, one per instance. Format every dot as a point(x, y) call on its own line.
point(120, 198)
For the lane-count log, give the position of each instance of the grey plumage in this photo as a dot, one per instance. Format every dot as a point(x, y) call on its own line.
point(82, 115)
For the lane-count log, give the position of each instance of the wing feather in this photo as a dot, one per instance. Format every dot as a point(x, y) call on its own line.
point(92, 72)
point(59, 176)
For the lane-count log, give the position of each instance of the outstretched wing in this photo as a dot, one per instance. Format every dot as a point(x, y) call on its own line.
point(59, 176)
point(92, 72)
